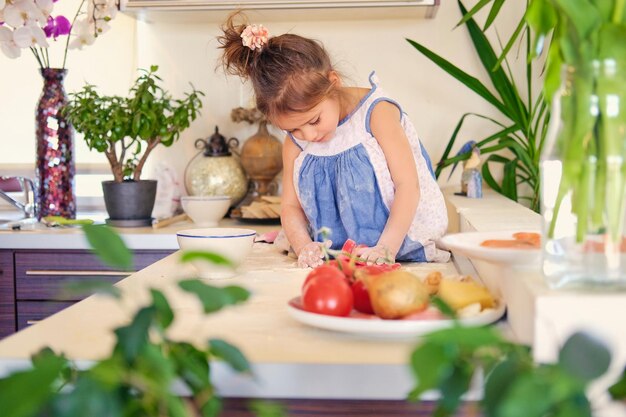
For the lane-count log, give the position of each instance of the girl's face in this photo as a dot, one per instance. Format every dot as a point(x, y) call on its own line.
point(316, 125)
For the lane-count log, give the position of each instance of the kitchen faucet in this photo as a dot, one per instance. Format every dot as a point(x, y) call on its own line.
point(15, 184)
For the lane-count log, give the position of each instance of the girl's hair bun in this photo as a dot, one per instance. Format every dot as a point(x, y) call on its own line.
point(237, 57)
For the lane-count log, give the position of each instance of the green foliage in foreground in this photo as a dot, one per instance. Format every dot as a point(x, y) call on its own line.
point(136, 379)
point(514, 386)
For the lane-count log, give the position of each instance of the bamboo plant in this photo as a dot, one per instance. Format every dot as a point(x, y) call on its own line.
point(523, 132)
point(588, 41)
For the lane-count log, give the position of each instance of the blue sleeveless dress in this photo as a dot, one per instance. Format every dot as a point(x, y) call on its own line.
point(345, 185)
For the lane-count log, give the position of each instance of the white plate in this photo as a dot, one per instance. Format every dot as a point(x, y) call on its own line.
point(373, 326)
point(468, 244)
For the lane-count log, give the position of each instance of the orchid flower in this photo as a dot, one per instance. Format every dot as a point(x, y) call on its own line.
point(27, 24)
point(57, 26)
point(84, 32)
point(7, 44)
point(30, 35)
point(22, 12)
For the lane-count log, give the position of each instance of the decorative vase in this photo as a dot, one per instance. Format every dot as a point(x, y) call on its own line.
point(261, 157)
point(215, 171)
point(55, 149)
point(583, 178)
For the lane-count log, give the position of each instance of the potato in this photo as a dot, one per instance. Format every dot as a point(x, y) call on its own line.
point(396, 294)
point(432, 281)
point(459, 294)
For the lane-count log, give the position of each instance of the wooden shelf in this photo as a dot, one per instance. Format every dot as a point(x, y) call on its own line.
point(215, 11)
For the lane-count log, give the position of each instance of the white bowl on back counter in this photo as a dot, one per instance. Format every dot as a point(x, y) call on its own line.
point(205, 211)
point(234, 244)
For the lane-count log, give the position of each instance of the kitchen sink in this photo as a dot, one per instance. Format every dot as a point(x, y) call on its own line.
point(21, 224)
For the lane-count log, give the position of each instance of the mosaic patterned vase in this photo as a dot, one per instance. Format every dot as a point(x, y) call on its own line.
point(55, 149)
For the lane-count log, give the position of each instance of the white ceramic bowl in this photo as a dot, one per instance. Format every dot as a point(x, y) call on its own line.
point(205, 211)
point(231, 243)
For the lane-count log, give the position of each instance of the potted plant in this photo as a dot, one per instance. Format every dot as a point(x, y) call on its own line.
point(519, 128)
point(127, 130)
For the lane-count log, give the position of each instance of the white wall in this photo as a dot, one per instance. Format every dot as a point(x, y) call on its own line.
point(187, 52)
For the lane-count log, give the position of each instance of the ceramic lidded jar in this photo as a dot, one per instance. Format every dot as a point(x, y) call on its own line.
point(215, 170)
point(261, 157)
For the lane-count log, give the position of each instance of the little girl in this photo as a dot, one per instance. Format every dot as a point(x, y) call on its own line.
point(352, 160)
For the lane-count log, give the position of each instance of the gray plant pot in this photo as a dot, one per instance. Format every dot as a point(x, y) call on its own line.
point(129, 203)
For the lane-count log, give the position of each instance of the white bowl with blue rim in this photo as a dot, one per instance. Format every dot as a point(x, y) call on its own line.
point(205, 211)
point(233, 244)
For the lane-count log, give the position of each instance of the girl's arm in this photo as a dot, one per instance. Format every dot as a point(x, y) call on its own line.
point(292, 216)
point(386, 128)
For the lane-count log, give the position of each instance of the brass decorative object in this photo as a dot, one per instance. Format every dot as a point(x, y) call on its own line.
point(261, 154)
point(215, 170)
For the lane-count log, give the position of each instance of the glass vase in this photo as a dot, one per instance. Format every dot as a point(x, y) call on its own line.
point(583, 179)
point(55, 149)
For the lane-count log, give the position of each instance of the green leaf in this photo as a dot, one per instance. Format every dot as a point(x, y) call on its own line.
point(214, 258)
point(478, 7)
point(542, 17)
point(164, 313)
point(176, 407)
point(578, 406)
point(513, 105)
point(192, 365)
point(491, 182)
point(500, 379)
point(35, 384)
point(509, 180)
point(611, 43)
point(453, 387)
point(581, 14)
point(466, 337)
point(528, 396)
point(469, 81)
point(212, 408)
point(230, 354)
point(156, 370)
point(493, 13)
point(214, 298)
point(88, 398)
point(267, 409)
point(109, 246)
point(131, 339)
point(429, 363)
point(584, 356)
point(442, 306)
point(83, 287)
point(618, 390)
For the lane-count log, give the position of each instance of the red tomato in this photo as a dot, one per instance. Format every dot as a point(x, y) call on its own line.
point(362, 301)
point(342, 263)
point(328, 294)
point(323, 270)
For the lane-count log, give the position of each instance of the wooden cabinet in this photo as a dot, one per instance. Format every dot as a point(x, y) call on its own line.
point(33, 283)
point(7, 293)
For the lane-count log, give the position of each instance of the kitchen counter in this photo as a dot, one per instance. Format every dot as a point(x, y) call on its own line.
point(136, 238)
point(325, 364)
point(292, 360)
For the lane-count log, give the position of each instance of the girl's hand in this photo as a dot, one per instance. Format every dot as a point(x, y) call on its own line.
point(378, 254)
point(313, 254)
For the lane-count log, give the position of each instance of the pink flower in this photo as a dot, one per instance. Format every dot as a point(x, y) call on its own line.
point(255, 36)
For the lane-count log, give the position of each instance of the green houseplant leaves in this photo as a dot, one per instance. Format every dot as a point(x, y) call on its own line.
point(524, 131)
point(127, 129)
